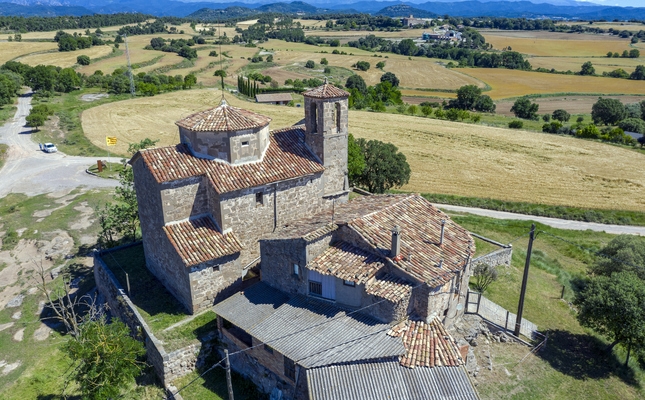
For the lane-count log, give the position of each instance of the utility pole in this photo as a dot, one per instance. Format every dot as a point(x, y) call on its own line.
point(228, 376)
point(520, 307)
point(127, 54)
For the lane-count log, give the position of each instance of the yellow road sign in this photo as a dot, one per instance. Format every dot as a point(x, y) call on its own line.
point(110, 140)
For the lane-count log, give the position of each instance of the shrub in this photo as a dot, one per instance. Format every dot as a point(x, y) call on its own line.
point(83, 60)
point(516, 124)
point(561, 115)
point(324, 61)
point(552, 127)
point(270, 58)
point(213, 54)
point(310, 64)
point(362, 65)
point(632, 125)
point(588, 132)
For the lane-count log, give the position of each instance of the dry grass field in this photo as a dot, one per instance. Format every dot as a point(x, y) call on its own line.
point(514, 83)
point(64, 59)
point(573, 104)
point(110, 30)
point(446, 157)
point(11, 50)
point(354, 35)
point(423, 73)
point(553, 44)
point(630, 26)
point(601, 64)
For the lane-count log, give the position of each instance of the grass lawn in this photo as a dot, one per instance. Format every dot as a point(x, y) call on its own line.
point(573, 364)
point(7, 112)
point(212, 386)
point(110, 171)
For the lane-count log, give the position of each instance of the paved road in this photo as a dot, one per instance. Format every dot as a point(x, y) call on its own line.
point(552, 222)
point(31, 171)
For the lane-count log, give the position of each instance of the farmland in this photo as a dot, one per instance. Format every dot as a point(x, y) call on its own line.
point(445, 157)
point(64, 59)
point(573, 104)
point(601, 64)
point(551, 44)
point(11, 50)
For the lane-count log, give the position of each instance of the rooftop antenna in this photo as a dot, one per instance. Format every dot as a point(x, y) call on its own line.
point(127, 55)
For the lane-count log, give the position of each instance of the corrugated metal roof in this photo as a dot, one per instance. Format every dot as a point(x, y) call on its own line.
point(388, 380)
point(312, 333)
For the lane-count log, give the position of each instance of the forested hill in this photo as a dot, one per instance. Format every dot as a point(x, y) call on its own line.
point(405, 10)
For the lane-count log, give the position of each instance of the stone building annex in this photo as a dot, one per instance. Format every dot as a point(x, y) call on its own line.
point(354, 295)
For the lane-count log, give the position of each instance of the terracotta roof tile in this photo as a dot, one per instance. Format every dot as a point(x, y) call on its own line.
point(389, 287)
point(223, 118)
point(326, 91)
point(426, 345)
point(420, 223)
point(347, 262)
point(287, 157)
point(198, 240)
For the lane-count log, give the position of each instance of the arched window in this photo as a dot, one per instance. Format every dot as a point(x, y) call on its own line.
point(337, 117)
point(314, 116)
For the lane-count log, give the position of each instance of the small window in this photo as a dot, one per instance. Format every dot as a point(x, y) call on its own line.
point(259, 199)
point(296, 269)
point(268, 348)
point(289, 369)
point(349, 283)
point(245, 143)
point(315, 288)
point(215, 268)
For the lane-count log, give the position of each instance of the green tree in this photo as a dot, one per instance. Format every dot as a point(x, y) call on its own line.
point(10, 84)
point(516, 124)
point(310, 64)
point(609, 54)
point(83, 60)
point(413, 109)
point(524, 108)
point(608, 111)
point(634, 53)
point(187, 52)
point(390, 77)
point(68, 80)
point(222, 74)
point(561, 115)
point(484, 275)
point(270, 58)
point(362, 65)
point(467, 96)
point(587, 69)
point(426, 110)
point(590, 131)
point(356, 82)
point(639, 73)
point(380, 65)
point(105, 358)
point(613, 307)
point(324, 61)
point(632, 125)
point(484, 104)
point(190, 80)
point(355, 161)
point(385, 166)
point(643, 109)
point(35, 120)
point(452, 114)
point(624, 253)
point(42, 77)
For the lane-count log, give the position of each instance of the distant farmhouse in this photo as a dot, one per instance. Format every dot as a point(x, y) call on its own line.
point(353, 297)
point(443, 33)
point(273, 98)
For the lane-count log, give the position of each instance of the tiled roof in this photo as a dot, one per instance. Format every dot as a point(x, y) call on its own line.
point(387, 380)
point(347, 262)
point(199, 240)
point(326, 91)
point(269, 97)
point(286, 158)
point(420, 224)
point(311, 332)
point(390, 287)
point(426, 345)
point(223, 118)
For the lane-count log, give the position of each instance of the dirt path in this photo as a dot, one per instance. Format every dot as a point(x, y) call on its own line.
point(31, 171)
point(552, 222)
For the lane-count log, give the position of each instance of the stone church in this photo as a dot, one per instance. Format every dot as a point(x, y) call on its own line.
point(206, 202)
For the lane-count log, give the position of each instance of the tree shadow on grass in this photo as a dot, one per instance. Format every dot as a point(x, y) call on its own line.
point(584, 357)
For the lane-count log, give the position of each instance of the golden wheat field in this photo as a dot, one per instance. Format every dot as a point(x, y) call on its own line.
point(11, 50)
point(552, 44)
point(445, 157)
point(64, 59)
point(354, 35)
point(601, 64)
point(513, 83)
point(573, 104)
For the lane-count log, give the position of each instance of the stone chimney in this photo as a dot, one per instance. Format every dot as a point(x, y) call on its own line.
point(395, 250)
point(443, 227)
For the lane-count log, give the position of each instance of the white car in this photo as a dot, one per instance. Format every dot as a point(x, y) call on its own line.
point(49, 148)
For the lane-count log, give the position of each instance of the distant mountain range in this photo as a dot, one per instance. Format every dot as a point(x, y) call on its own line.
point(216, 10)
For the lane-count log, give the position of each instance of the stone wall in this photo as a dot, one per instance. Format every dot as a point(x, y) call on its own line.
point(214, 280)
point(235, 147)
point(168, 366)
point(502, 256)
point(278, 258)
point(184, 198)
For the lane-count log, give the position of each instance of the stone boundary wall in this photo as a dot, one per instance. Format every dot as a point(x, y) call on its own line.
point(501, 256)
point(168, 366)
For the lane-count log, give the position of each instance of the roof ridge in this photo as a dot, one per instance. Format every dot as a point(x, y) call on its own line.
point(404, 196)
